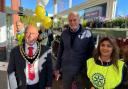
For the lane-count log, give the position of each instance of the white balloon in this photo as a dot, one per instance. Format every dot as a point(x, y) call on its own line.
point(44, 2)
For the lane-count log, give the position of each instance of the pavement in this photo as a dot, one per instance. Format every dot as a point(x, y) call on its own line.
point(3, 75)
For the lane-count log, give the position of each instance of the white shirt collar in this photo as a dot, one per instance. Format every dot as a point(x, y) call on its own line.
point(34, 46)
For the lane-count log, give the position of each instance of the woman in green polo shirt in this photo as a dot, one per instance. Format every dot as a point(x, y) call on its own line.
point(104, 70)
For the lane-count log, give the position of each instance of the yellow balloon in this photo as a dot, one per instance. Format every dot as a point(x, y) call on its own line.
point(47, 22)
point(40, 11)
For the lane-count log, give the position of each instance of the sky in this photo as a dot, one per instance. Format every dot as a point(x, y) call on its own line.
point(122, 7)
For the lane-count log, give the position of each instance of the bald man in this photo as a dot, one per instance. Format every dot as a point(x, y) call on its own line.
point(30, 65)
point(76, 47)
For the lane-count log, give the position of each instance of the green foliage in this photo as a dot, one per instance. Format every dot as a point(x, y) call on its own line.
point(120, 22)
point(30, 20)
point(61, 21)
point(84, 23)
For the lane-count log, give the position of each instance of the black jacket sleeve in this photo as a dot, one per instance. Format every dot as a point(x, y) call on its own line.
point(11, 71)
point(88, 83)
point(90, 47)
point(124, 83)
point(11, 64)
point(59, 56)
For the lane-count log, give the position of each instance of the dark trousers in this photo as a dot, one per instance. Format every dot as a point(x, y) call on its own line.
point(69, 78)
point(35, 86)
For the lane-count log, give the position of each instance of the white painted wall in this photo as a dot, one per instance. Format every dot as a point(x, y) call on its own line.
point(3, 32)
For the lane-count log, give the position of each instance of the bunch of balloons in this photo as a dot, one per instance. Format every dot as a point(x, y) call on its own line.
point(42, 14)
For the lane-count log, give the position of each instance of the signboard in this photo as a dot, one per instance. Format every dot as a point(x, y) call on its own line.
point(91, 14)
point(95, 12)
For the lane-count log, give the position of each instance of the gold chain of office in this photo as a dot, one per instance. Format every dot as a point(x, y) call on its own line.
point(35, 56)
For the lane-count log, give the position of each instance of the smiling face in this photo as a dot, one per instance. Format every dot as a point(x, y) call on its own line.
point(106, 49)
point(73, 20)
point(31, 35)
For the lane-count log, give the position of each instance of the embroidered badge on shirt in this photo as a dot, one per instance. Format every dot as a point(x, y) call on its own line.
point(85, 34)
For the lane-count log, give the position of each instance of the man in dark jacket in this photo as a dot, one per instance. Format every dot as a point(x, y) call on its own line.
point(76, 46)
point(30, 65)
